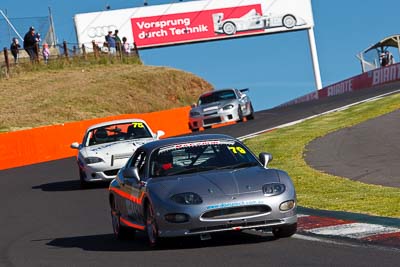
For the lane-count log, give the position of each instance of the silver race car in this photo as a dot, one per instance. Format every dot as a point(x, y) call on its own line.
point(198, 185)
point(107, 146)
point(220, 106)
point(254, 21)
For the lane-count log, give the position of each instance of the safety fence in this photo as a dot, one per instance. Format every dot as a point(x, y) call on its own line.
point(65, 52)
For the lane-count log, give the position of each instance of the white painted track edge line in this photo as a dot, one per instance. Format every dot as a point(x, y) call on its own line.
point(242, 138)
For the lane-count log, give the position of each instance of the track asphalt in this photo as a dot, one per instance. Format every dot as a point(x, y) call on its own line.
point(368, 152)
point(47, 220)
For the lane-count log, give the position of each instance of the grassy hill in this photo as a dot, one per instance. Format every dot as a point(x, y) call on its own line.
point(50, 95)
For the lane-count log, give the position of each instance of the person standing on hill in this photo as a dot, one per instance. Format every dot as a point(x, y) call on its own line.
point(117, 41)
point(46, 53)
point(125, 46)
point(111, 43)
point(30, 43)
point(14, 47)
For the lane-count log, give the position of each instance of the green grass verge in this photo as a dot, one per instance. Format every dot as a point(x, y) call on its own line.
point(320, 190)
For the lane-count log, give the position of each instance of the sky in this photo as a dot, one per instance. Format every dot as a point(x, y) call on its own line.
point(277, 68)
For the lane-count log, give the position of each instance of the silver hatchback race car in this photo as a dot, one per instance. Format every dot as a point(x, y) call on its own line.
point(198, 185)
point(220, 106)
point(107, 146)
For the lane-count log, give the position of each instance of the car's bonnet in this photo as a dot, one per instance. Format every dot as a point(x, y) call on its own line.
point(219, 182)
point(115, 148)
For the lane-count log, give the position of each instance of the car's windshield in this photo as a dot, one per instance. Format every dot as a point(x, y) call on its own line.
point(200, 156)
point(216, 96)
point(117, 132)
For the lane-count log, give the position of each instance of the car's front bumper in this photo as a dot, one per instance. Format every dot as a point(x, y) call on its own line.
point(234, 225)
point(197, 224)
point(98, 172)
point(207, 120)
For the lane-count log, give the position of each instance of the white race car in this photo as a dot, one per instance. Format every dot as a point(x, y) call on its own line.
point(254, 21)
point(106, 147)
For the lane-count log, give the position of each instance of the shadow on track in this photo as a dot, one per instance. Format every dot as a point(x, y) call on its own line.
point(108, 242)
point(70, 185)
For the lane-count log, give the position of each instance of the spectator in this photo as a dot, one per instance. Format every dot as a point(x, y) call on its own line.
point(383, 59)
point(46, 53)
point(390, 58)
point(125, 46)
point(37, 38)
point(117, 40)
point(111, 43)
point(14, 47)
point(30, 43)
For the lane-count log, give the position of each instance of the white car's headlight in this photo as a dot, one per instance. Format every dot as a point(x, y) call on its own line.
point(91, 160)
point(194, 113)
point(230, 106)
point(188, 198)
point(273, 189)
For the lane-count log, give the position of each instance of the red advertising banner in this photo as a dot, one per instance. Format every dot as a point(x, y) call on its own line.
point(373, 78)
point(194, 26)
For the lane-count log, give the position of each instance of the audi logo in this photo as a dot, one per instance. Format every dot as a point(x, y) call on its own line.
point(100, 31)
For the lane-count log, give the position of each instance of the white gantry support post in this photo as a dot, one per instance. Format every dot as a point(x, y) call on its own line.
point(314, 56)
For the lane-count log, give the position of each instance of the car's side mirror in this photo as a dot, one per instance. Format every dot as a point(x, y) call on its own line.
point(160, 133)
point(75, 145)
point(265, 158)
point(193, 105)
point(131, 174)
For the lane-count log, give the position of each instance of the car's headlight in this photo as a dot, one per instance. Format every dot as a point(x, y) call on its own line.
point(230, 106)
point(91, 160)
point(188, 198)
point(194, 113)
point(273, 189)
point(287, 205)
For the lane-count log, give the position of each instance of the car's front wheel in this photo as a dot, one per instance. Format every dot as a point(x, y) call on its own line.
point(251, 115)
point(151, 226)
point(240, 114)
point(284, 230)
point(229, 28)
point(82, 182)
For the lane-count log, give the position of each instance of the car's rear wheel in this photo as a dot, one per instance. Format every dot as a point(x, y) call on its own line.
point(120, 231)
point(289, 21)
point(229, 28)
point(284, 231)
point(193, 129)
point(151, 227)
